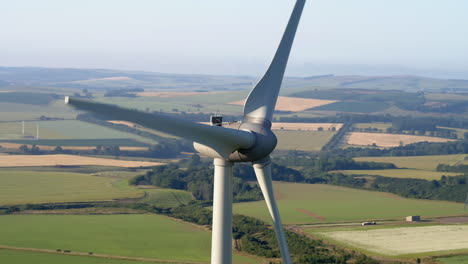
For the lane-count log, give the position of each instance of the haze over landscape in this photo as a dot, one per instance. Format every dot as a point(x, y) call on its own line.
point(365, 37)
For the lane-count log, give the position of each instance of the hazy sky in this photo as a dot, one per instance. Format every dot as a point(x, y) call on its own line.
point(233, 36)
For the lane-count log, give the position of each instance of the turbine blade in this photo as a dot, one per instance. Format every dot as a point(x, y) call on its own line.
point(262, 99)
point(263, 171)
point(220, 138)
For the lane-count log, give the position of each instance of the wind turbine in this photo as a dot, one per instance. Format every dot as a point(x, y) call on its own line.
point(249, 140)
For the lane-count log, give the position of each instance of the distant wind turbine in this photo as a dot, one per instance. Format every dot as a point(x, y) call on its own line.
point(249, 140)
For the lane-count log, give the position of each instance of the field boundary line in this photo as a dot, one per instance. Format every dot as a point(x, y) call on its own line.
point(50, 251)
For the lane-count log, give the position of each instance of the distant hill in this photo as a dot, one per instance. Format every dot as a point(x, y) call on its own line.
point(106, 79)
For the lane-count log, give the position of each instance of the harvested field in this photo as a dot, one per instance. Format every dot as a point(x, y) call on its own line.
point(294, 104)
point(305, 126)
point(171, 94)
point(67, 160)
point(405, 240)
point(419, 162)
point(43, 147)
point(388, 140)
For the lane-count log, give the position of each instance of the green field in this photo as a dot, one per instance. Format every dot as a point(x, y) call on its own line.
point(454, 260)
point(167, 197)
point(148, 236)
point(65, 129)
point(303, 140)
point(354, 107)
point(402, 173)
point(25, 257)
point(331, 203)
point(18, 112)
point(419, 162)
point(21, 187)
point(210, 103)
point(122, 142)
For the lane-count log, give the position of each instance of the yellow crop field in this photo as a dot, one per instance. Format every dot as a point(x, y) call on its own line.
point(388, 140)
point(67, 160)
point(294, 104)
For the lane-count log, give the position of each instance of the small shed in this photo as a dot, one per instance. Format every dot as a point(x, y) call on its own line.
point(413, 218)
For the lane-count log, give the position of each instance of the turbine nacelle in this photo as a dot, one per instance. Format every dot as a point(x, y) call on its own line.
point(263, 144)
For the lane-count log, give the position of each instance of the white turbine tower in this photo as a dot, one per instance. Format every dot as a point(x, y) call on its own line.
point(249, 140)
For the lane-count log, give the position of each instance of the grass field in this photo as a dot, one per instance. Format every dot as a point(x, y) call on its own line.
point(68, 160)
point(403, 173)
point(18, 112)
point(313, 203)
point(21, 187)
point(148, 236)
point(124, 142)
point(25, 257)
point(388, 140)
point(65, 129)
point(167, 197)
point(302, 140)
point(354, 107)
point(419, 162)
point(405, 240)
point(454, 260)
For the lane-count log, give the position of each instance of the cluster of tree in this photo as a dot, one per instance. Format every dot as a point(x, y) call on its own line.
point(85, 93)
point(330, 163)
point(127, 92)
point(416, 149)
point(453, 168)
point(34, 150)
point(197, 178)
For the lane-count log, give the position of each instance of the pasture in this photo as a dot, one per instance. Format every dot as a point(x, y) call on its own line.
point(419, 162)
point(293, 104)
point(405, 240)
point(27, 257)
point(318, 203)
point(388, 140)
point(302, 140)
point(22, 187)
point(167, 197)
point(454, 260)
point(378, 125)
point(354, 107)
point(305, 126)
point(65, 129)
point(68, 160)
point(402, 173)
point(144, 235)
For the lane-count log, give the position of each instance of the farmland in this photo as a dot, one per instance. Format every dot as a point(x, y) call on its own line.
point(302, 140)
point(305, 126)
point(22, 187)
point(147, 236)
point(419, 162)
point(316, 203)
point(25, 257)
point(454, 260)
point(354, 107)
point(167, 197)
point(405, 240)
point(67, 160)
point(388, 140)
point(294, 104)
point(65, 129)
point(402, 173)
